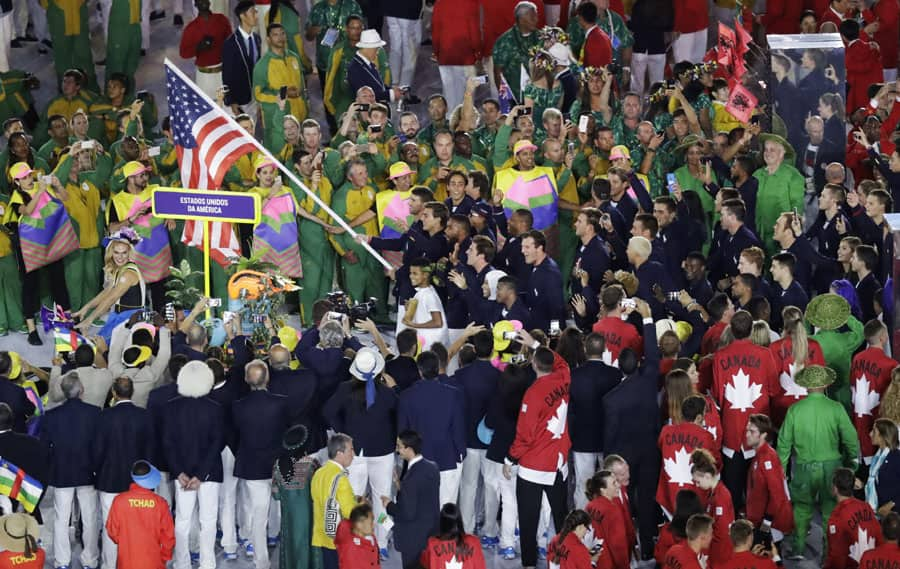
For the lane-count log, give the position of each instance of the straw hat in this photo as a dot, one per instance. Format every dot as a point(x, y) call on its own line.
point(815, 376)
point(828, 311)
point(19, 533)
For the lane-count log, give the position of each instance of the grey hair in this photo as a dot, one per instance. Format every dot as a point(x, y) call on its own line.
point(71, 386)
point(196, 335)
point(279, 357)
point(331, 335)
point(263, 380)
point(337, 443)
point(523, 7)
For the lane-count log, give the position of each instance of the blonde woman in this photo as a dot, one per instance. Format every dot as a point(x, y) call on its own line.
point(124, 288)
point(761, 334)
point(794, 351)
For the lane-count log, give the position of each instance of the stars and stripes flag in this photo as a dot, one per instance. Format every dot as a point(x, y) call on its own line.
point(207, 144)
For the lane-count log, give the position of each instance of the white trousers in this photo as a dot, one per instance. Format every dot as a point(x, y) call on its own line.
point(206, 499)
point(147, 6)
point(453, 78)
point(20, 17)
point(6, 36)
point(405, 36)
point(166, 489)
point(889, 74)
point(209, 83)
point(375, 473)
point(472, 467)
point(585, 467)
point(652, 66)
point(227, 502)
point(450, 485)
point(38, 20)
point(110, 549)
point(63, 498)
point(186, 8)
point(690, 47)
point(504, 491)
point(48, 514)
point(258, 494)
point(453, 333)
point(262, 15)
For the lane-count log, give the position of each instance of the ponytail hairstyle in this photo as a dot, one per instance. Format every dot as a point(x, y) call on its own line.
point(702, 461)
point(678, 388)
point(451, 525)
point(574, 519)
point(596, 483)
point(795, 329)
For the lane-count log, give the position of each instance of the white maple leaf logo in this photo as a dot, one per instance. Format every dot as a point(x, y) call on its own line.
point(607, 359)
point(791, 389)
point(703, 559)
point(740, 392)
point(864, 398)
point(712, 431)
point(679, 470)
point(863, 543)
point(557, 423)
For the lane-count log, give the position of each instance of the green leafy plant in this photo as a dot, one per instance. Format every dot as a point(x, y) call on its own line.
point(183, 288)
point(252, 263)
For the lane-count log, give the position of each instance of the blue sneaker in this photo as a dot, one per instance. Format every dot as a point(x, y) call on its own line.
point(508, 553)
point(247, 547)
point(272, 541)
point(542, 553)
point(229, 556)
point(488, 541)
point(383, 552)
point(195, 557)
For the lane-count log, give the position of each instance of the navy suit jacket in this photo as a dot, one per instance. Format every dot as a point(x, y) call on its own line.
point(156, 404)
point(416, 511)
point(590, 383)
point(124, 435)
point(545, 295)
point(193, 437)
point(362, 74)
point(299, 386)
point(260, 420)
point(15, 397)
point(888, 484)
point(630, 413)
point(404, 371)
point(437, 412)
point(478, 382)
point(237, 69)
point(70, 431)
point(373, 429)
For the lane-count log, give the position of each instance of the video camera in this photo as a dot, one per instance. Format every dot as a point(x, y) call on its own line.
point(356, 311)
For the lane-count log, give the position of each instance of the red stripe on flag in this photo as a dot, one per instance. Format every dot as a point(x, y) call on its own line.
point(17, 484)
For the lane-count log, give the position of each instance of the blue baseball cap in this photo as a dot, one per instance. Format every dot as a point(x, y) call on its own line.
point(150, 480)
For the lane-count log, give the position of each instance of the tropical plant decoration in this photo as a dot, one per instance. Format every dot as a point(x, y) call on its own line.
point(184, 285)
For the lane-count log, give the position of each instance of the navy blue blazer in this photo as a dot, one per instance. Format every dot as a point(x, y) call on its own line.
point(478, 382)
point(70, 431)
point(374, 429)
point(260, 420)
point(225, 395)
point(299, 386)
point(437, 412)
point(594, 260)
point(362, 74)
point(417, 508)
point(887, 486)
point(156, 404)
point(124, 435)
point(15, 397)
point(511, 261)
point(404, 371)
point(237, 69)
point(193, 437)
point(590, 383)
point(545, 295)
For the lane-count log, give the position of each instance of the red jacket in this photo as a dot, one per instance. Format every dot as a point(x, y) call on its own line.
point(887, 128)
point(10, 560)
point(863, 62)
point(721, 508)
point(597, 49)
point(676, 443)
point(710, 341)
point(618, 335)
point(681, 556)
point(870, 375)
point(767, 493)
point(746, 560)
point(440, 553)
point(712, 420)
point(217, 27)
point(542, 441)
point(141, 525)
point(570, 554)
point(456, 35)
point(608, 524)
point(782, 17)
point(691, 16)
point(852, 530)
point(625, 507)
point(887, 14)
point(353, 550)
point(885, 555)
point(499, 16)
point(744, 376)
point(784, 363)
point(666, 540)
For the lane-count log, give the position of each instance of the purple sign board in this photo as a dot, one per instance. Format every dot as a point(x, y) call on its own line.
point(206, 205)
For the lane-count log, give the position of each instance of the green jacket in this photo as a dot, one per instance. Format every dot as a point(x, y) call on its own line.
point(325, 16)
point(838, 348)
point(778, 193)
point(512, 51)
point(818, 429)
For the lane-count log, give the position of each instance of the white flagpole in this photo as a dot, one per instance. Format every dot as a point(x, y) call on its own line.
point(284, 169)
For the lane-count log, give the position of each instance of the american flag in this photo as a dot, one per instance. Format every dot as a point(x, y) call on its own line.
point(207, 144)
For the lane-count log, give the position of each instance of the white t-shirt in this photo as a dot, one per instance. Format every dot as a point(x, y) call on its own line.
point(427, 302)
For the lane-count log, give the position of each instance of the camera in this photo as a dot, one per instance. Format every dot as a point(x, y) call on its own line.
point(363, 107)
point(705, 160)
point(357, 311)
point(614, 68)
point(628, 303)
point(170, 312)
point(673, 295)
point(525, 111)
point(603, 189)
point(142, 96)
point(282, 93)
point(517, 359)
point(510, 336)
point(763, 534)
point(375, 128)
point(215, 302)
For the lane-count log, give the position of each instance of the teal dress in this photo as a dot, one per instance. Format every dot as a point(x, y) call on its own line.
point(290, 486)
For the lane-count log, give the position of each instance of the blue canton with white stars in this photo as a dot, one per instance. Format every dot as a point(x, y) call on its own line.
point(186, 107)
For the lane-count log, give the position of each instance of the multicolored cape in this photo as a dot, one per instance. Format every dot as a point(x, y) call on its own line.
point(153, 255)
point(393, 211)
point(534, 190)
point(46, 235)
point(277, 234)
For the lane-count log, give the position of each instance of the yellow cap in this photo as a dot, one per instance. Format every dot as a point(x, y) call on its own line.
point(288, 337)
point(262, 161)
point(523, 145)
point(618, 152)
point(15, 368)
point(19, 170)
point(398, 170)
point(133, 168)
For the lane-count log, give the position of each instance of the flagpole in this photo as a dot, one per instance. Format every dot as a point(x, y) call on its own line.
point(207, 231)
point(284, 170)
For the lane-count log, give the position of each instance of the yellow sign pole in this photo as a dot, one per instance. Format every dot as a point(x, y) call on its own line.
point(207, 289)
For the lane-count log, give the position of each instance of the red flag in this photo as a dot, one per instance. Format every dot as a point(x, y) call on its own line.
point(727, 39)
point(741, 103)
point(743, 40)
point(207, 145)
